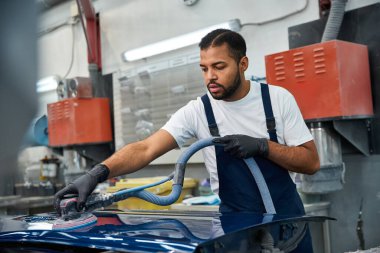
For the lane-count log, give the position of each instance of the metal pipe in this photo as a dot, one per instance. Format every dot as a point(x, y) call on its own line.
point(335, 20)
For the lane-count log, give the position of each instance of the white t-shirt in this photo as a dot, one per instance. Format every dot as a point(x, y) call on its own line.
point(245, 116)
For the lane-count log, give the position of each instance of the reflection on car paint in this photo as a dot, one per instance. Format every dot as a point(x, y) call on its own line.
point(162, 231)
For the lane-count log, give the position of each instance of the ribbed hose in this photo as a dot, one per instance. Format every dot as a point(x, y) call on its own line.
point(262, 185)
point(179, 175)
point(123, 194)
point(251, 163)
point(335, 20)
point(160, 200)
point(185, 156)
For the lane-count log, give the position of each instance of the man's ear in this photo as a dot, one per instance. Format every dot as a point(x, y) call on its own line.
point(244, 63)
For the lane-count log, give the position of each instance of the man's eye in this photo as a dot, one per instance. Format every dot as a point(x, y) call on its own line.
point(203, 70)
point(219, 67)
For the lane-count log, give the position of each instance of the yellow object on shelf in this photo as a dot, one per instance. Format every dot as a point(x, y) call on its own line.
point(162, 190)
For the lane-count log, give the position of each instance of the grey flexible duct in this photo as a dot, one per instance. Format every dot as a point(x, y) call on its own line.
point(335, 20)
point(179, 174)
point(102, 200)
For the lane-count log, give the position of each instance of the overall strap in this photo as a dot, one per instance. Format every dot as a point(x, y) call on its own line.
point(240, 177)
point(210, 116)
point(271, 122)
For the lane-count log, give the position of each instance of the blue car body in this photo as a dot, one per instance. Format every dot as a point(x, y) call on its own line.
point(157, 231)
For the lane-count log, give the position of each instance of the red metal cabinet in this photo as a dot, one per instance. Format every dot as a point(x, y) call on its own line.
point(328, 80)
point(79, 121)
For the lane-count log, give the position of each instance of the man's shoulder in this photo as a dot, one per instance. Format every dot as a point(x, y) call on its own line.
point(194, 104)
point(278, 89)
point(279, 93)
point(273, 88)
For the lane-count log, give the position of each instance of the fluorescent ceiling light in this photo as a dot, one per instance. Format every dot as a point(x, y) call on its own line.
point(177, 42)
point(48, 83)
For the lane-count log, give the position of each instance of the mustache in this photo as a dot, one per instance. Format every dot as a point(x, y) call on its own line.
point(215, 83)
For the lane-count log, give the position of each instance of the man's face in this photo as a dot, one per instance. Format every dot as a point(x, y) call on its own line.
point(220, 72)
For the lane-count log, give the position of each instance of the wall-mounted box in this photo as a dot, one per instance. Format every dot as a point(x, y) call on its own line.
point(76, 121)
point(328, 80)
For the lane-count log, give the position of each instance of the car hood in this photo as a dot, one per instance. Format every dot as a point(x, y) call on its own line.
point(153, 231)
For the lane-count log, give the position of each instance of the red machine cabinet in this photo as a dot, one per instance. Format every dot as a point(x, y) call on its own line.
point(328, 80)
point(79, 121)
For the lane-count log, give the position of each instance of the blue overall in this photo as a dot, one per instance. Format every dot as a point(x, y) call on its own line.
point(237, 188)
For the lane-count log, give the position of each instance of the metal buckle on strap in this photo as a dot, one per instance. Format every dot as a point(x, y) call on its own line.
point(214, 130)
point(271, 124)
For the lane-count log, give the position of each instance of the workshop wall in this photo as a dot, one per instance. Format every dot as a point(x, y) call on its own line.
point(130, 24)
point(139, 23)
point(133, 25)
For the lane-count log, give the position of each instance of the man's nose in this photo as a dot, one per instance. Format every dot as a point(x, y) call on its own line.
point(211, 75)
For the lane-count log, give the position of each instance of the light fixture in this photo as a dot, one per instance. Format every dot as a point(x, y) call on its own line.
point(177, 42)
point(48, 83)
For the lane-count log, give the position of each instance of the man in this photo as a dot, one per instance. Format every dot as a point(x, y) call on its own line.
point(246, 114)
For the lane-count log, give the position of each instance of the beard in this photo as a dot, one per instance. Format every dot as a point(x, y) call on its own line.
point(227, 92)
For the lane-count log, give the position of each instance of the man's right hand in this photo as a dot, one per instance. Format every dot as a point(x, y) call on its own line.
point(83, 186)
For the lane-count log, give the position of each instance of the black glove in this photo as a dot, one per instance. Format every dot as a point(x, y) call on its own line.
point(83, 186)
point(244, 146)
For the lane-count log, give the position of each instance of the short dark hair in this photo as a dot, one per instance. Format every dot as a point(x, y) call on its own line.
point(218, 37)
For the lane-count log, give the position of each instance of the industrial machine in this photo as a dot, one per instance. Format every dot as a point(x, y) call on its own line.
point(331, 83)
point(78, 131)
point(358, 136)
point(80, 126)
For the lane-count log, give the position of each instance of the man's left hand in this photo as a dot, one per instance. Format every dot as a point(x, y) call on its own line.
point(244, 146)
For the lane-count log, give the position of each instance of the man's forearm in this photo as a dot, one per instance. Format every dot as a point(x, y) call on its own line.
point(301, 159)
point(127, 160)
point(139, 154)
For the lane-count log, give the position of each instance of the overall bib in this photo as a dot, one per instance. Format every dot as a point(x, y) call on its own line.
point(237, 188)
